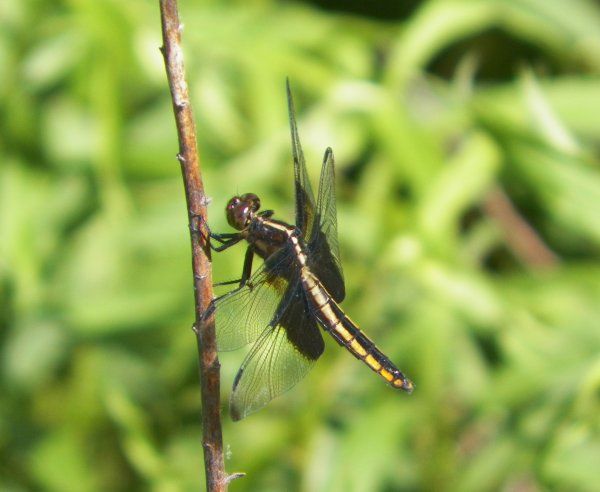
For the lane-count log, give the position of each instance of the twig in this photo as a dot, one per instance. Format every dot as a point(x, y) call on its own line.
point(212, 440)
point(520, 237)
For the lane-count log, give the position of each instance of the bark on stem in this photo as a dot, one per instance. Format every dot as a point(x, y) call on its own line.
point(212, 440)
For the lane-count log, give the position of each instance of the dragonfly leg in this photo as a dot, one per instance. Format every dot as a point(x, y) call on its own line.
point(242, 282)
point(227, 239)
point(195, 223)
point(246, 273)
point(228, 282)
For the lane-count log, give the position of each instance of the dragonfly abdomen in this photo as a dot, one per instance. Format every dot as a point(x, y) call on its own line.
point(334, 320)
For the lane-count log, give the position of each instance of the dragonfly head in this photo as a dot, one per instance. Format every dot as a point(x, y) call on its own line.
point(241, 209)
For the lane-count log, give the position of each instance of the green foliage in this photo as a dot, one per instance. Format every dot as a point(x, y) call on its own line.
point(430, 115)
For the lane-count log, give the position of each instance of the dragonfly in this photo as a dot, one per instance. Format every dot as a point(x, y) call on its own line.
point(297, 289)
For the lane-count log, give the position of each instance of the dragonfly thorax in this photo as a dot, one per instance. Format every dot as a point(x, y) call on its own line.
point(240, 210)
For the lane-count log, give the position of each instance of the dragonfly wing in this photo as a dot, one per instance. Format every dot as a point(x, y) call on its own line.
point(305, 200)
point(323, 244)
point(281, 356)
point(241, 315)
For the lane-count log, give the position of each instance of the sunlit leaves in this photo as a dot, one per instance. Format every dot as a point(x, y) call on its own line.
point(98, 365)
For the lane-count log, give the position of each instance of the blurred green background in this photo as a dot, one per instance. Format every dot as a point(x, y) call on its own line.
point(467, 143)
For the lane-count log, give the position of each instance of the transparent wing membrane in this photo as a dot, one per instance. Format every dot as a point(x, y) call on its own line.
point(323, 245)
point(243, 314)
point(305, 200)
point(276, 362)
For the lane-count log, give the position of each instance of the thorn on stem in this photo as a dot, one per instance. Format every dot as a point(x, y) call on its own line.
point(233, 476)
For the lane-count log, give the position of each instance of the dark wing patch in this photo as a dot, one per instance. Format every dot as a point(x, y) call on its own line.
point(301, 328)
point(281, 357)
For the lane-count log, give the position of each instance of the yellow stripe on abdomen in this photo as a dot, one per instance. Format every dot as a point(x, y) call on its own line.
point(344, 331)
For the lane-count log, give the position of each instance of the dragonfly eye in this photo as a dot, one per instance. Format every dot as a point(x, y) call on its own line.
point(252, 200)
point(241, 209)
